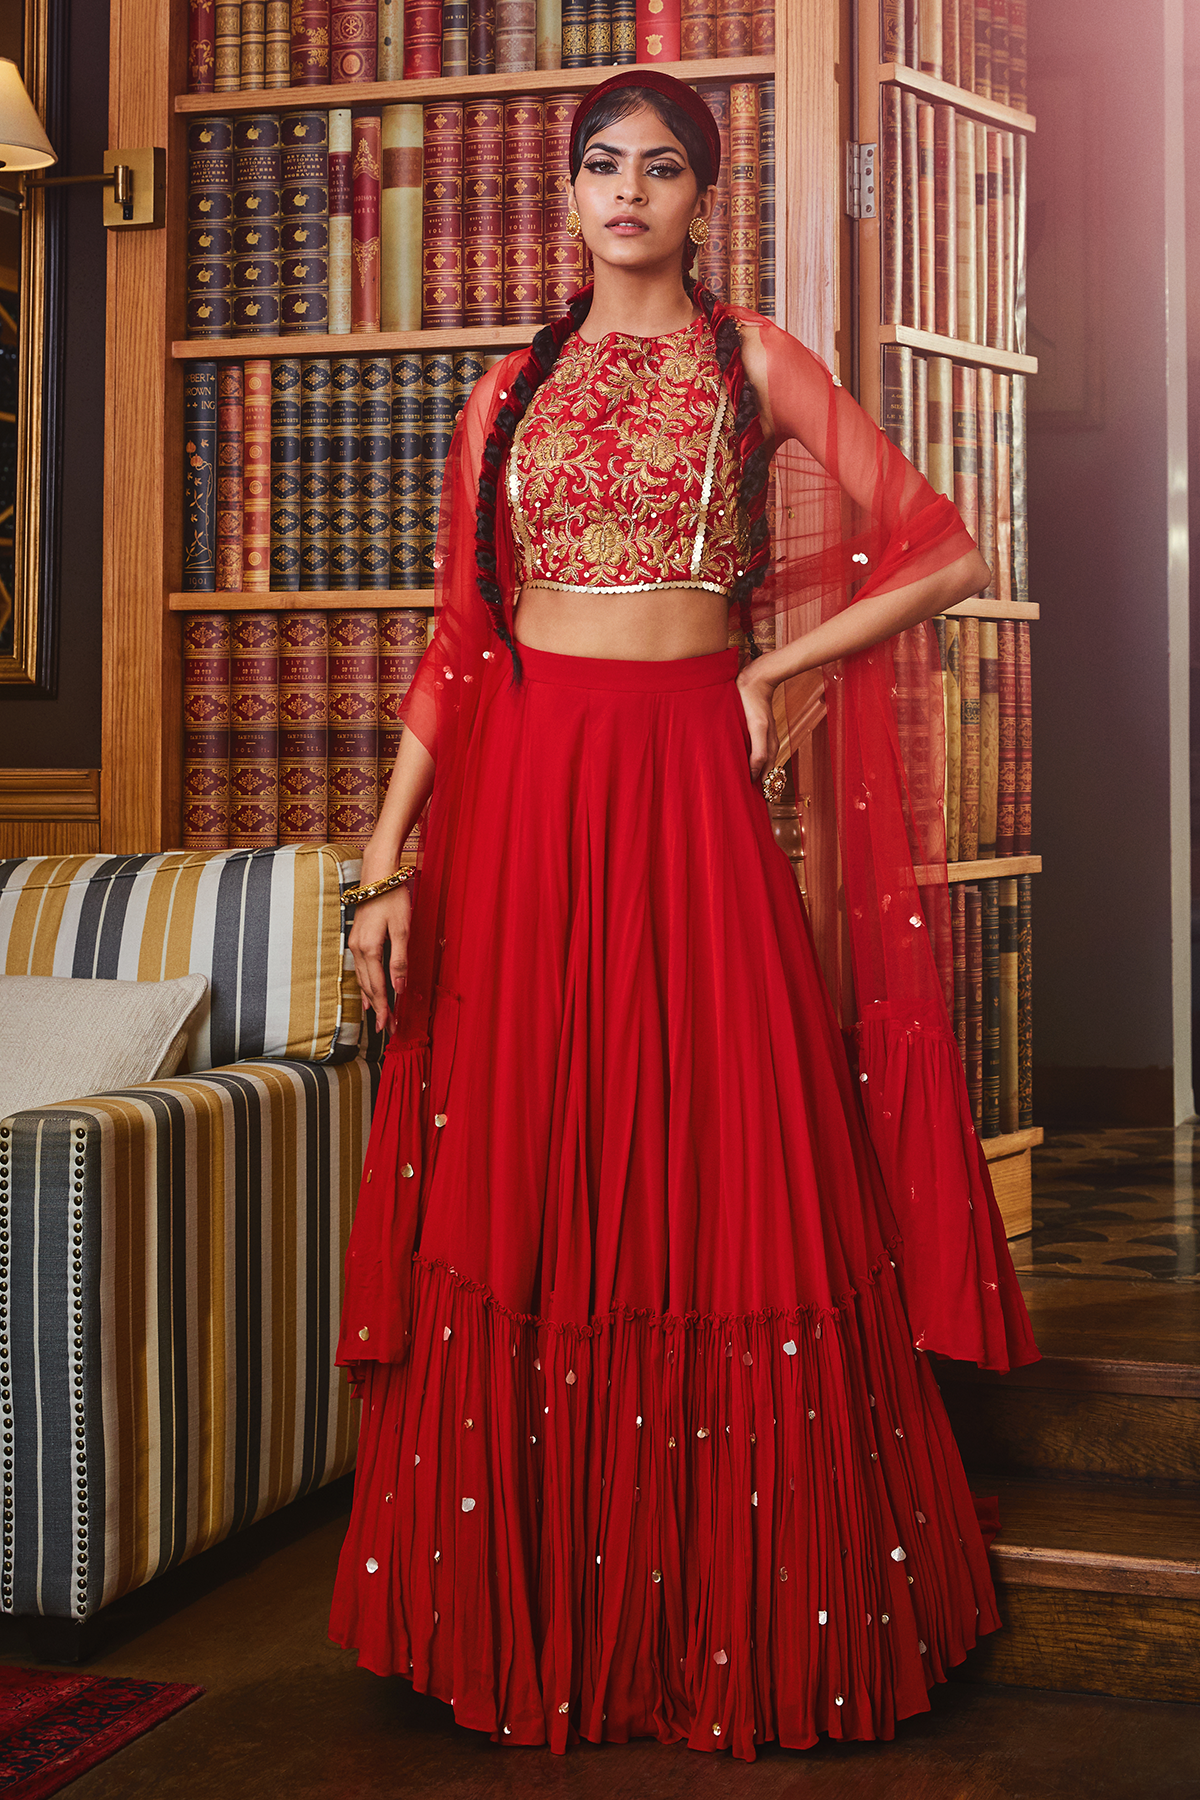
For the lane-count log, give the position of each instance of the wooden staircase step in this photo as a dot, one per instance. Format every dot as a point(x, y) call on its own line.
point(1092, 1316)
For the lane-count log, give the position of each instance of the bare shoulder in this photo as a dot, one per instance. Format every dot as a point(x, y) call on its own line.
point(754, 361)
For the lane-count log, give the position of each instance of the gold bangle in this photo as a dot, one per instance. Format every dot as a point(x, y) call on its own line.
point(356, 896)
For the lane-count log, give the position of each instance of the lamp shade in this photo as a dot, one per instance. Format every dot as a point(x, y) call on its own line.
point(23, 143)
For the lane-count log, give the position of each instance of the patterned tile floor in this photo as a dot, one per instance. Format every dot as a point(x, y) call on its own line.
point(1119, 1203)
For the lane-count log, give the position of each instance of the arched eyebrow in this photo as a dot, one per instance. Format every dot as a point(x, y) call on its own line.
point(616, 150)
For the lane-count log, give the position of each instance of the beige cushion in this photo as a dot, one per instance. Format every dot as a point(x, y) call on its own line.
point(63, 1038)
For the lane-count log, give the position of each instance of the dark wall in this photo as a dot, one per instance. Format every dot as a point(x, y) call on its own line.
point(63, 730)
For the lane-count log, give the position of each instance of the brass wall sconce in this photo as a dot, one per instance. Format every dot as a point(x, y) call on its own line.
point(136, 177)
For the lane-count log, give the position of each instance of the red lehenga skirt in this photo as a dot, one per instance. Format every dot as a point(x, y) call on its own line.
point(662, 1460)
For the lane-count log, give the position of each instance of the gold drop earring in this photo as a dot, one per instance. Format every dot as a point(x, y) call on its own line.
point(697, 231)
point(574, 224)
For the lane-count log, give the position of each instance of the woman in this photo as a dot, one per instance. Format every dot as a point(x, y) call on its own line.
point(647, 1449)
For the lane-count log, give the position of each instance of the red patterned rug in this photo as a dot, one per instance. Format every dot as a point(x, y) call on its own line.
point(55, 1726)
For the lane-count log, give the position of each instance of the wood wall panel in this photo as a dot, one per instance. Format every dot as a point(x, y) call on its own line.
point(808, 180)
point(49, 812)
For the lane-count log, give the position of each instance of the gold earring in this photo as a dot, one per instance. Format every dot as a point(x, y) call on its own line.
point(698, 232)
point(574, 224)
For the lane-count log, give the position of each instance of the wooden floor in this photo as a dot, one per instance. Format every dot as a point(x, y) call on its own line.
point(1095, 1454)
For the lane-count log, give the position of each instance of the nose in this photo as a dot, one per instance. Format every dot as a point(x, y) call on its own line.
point(633, 187)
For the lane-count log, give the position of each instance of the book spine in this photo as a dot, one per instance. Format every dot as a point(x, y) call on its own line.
point(1018, 54)
point(743, 194)
point(991, 1008)
point(407, 398)
point(483, 212)
point(999, 37)
point(516, 36)
point(983, 49)
point(256, 477)
point(939, 632)
point(468, 369)
point(697, 30)
point(929, 36)
point(891, 31)
point(892, 189)
point(1024, 1002)
point(209, 227)
point(316, 388)
point(278, 60)
point(456, 26)
point(975, 1004)
point(599, 33)
point(953, 716)
point(910, 211)
point(375, 472)
point(437, 424)
point(1020, 521)
point(985, 389)
point(927, 219)
point(303, 728)
point(995, 269)
point(229, 477)
point(524, 210)
point(968, 804)
point(766, 199)
point(563, 253)
point(310, 43)
point(341, 218)
point(227, 41)
point(285, 473)
point(1006, 774)
point(958, 940)
point(714, 256)
point(966, 44)
point(897, 397)
point(574, 34)
point(1020, 229)
point(945, 222)
point(343, 472)
point(202, 46)
point(941, 425)
point(205, 731)
point(254, 732)
point(365, 175)
point(400, 217)
point(1008, 253)
point(921, 414)
point(981, 234)
point(442, 188)
point(257, 178)
point(1003, 416)
point(401, 643)
point(1023, 820)
point(989, 735)
point(623, 28)
point(658, 31)
point(733, 28)
point(253, 54)
point(353, 726)
point(950, 45)
point(200, 477)
point(549, 34)
point(965, 262)
point(481, 38)
point(304, 230)
point(1010, 1028)
point(966, 454)
point(762, 27)
point(422, 39)
point(352, 47)
point(389, 40)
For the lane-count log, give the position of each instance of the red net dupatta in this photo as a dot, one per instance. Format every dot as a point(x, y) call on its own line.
point(852, 517)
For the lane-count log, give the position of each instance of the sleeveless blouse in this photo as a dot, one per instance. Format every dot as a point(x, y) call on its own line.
point(623, 472)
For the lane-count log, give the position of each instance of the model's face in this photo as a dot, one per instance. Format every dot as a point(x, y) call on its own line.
point(636, 193)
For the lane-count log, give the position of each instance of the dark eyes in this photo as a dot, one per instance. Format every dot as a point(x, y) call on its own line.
point(604, 165)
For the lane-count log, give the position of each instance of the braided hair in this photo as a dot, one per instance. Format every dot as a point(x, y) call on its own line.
point(753, 461)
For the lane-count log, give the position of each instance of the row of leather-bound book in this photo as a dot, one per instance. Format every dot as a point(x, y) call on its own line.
point(291, 723)
point(989, 737)
point(446, 215)
point(238, 46)
point(980, 45)
point(953, 223)
point(992, 933)
point(965, 429)
point(317, 472)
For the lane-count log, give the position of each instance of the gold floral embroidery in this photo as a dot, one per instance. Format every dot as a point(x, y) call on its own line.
point(623, 472)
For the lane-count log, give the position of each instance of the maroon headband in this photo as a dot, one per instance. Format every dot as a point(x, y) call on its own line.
point(670, 89)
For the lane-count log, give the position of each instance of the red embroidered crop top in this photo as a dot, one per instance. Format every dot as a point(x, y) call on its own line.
point(623, 473)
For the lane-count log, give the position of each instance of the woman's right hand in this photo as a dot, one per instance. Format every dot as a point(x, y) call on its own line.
point(379, 945)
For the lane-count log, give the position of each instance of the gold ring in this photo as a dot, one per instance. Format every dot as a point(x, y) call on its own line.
point(773, 784)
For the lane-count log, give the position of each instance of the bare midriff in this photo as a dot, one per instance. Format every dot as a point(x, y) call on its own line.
point(656, 626)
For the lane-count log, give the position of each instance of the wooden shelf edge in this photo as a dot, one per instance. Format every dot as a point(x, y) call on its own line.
point(310, 600)
point(450, 87)
point(1010, 362)
point(994, 868)
point(44, 796)
point(962, 99)
point(1012, 1143)
point(993, 609)
point(357, 343)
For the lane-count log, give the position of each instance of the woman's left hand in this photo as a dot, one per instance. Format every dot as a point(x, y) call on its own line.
point(758, 701)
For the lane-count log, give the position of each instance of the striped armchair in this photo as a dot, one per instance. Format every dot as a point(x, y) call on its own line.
point(171, 1255)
